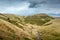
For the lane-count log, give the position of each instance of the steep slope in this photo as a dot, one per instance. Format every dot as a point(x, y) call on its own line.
point(10, 32)
point(16, 20)
point(38, 19)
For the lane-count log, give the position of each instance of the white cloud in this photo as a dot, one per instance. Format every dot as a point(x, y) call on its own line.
point(15, 9)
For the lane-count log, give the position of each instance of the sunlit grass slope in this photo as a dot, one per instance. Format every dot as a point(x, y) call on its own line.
point(52, 31)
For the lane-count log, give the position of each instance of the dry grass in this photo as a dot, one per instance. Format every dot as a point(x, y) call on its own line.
point(51, 32)
point(12, 29)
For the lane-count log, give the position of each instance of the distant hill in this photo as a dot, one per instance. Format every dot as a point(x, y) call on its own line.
point(38, 19)
point(57, 17)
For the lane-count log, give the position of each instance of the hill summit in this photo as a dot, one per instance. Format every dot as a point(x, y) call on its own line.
point(38, 19)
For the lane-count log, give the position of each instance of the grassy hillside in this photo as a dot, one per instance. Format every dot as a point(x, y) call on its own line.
point(52, 31)
point(16, 20)
point(12, 32)
point(13, 27)
point(6, 33)
point(38, 19)
point(48, 31)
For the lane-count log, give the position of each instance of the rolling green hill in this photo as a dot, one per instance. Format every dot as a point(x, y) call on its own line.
point(13, 27)
point(38, 19)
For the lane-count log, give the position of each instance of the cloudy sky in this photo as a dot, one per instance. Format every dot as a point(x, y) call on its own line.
point(28, 7)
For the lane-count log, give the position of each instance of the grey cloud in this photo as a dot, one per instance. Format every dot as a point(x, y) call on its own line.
point(33, 3)
point(36, 3)
point(54, 1)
